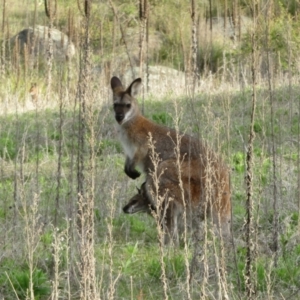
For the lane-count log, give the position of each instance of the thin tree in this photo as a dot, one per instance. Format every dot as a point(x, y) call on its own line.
point(273, 151)
point(50, 10)
point(235, 20)
point(249, 226)
point(143, 8)
point(210, 35)
point(143, 57)
point(194, 47)
point(3, 52)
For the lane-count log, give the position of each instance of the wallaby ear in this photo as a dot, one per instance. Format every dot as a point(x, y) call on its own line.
point(115, 82)
point(135, 87)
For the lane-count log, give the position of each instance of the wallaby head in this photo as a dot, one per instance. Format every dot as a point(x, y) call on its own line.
point(125, 105)
point(139, 202)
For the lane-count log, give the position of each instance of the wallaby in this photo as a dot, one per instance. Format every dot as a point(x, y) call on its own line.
point(135, 130)
point(139, 202)
point(142, 202)
point(204, 192)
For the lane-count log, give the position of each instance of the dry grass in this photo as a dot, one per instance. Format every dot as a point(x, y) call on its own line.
point(102, 253)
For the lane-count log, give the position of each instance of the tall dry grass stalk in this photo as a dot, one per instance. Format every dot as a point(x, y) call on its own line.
point(220, 246)
point(186, 208)
point(86, 266)
point(32, 231)
point(37, 141)
point(12, 286)
point(161, 207)
point(110, 290)
point(60, 247)
point(59, 159)
point(27, 216)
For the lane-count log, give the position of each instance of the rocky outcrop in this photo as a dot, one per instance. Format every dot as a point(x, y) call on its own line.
point(35, 40)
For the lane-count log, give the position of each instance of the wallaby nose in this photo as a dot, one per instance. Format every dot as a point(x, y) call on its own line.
point(119, 117)
point(126, 209)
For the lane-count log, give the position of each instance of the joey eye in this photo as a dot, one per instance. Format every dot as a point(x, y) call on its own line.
point(128, 105)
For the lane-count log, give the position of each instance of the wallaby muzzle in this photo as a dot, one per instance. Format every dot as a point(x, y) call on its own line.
point(119, 118)
point(130, 208)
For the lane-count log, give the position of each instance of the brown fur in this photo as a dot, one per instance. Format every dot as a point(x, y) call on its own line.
point(204, 177)
point(205, 192)
point(134, 131)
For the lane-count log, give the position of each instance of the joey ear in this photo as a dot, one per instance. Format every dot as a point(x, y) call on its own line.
point(135, 87)
point(115, 82)
point(139, 190)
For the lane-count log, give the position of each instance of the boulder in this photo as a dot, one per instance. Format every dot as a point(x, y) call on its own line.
point(36, 41)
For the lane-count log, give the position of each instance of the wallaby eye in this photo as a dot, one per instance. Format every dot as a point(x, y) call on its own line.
point(128, 105)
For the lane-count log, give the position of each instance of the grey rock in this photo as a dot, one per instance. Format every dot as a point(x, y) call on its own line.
point(36, 41)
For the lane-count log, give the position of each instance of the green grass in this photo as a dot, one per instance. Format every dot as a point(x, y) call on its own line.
point(14, 280)
point(135, 255)
point(29, 144)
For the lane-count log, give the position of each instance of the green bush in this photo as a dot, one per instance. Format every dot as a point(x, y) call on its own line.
point(288, 271)
point(8, 148)
point(162, 118)
point(259, 269)
point(19, 283)
point(238, 161)
point(175, 266)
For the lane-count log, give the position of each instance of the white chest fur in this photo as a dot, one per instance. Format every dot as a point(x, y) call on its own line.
point(128, 146)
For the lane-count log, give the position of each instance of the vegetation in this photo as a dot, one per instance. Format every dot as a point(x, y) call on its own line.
point(62, 230)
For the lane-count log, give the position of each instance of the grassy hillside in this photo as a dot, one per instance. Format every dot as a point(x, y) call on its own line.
point(127, 255)
point(63, 234)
